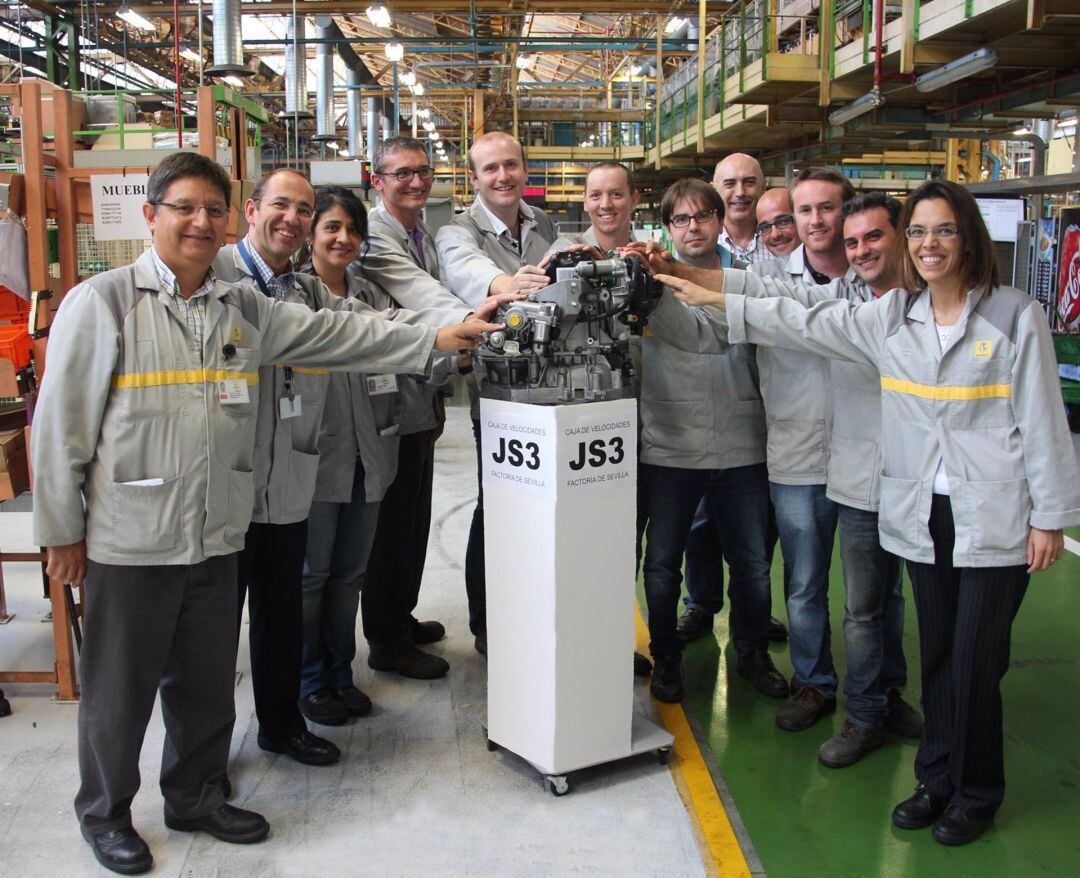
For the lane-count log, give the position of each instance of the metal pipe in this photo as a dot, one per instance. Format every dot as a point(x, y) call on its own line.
point(354, 115)
point(879, 27)
point(228, 42)
point(372, 126)
point(325, 127)
point(295, 75)
point(176, 67)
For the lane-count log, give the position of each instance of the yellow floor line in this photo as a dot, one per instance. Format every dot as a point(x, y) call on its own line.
point(724, 856)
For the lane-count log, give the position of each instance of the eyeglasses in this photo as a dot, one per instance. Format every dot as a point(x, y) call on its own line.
point(303, 210)
point(782, 221)
point(917, 233)
point(187, 210)
point(405, 175)
point(682, 220)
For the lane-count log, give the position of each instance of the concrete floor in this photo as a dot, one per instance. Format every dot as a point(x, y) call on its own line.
point(416, 792)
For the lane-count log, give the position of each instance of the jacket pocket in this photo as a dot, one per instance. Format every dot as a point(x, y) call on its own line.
point(854, 465)
point(303, 469)
point(241, 504)
point(147, 519)
point(796, 447)
point(999, 513)
point(899, 511)
point(674, 426)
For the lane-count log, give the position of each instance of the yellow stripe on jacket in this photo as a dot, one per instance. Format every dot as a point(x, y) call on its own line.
point(946, 392)
point(180, 376)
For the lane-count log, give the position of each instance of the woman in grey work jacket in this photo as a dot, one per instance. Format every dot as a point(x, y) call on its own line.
point(979, 474)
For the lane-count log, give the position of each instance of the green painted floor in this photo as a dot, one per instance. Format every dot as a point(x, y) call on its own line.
point(807, 820)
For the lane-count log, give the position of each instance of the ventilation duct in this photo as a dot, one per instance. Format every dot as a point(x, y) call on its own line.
point(228, 45)
point(354, 115)
point(372, 126)
point(295, 72)
point(325, 124)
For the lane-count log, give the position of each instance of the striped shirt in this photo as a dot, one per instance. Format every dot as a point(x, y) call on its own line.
point(277, 284)
point(192, 310)
point(754, 252)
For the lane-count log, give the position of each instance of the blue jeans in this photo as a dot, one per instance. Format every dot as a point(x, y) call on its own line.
point(806, 519)
point(338, 546)
point(738, 501)
point(704, 564)
point(873, 618)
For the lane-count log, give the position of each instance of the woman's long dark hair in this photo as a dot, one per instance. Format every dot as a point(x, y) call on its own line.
point(328, 197)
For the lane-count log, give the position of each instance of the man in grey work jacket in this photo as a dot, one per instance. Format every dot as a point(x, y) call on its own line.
point(401, 256)
point(279, 215)
point(494, 247)
point(143, 453)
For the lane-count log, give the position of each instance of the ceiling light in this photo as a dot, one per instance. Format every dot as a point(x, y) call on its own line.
point(429, 126)
point(394, 51)
point(423, 114)
point(133, 18)
point(870, 101)
point(345, 154)
point(674, 24)
point(331, 145)
point(635, 69)
point(418, 89)
point(438, 145)
point(444, 158)
point(378, 15)
point(961, 68)
point(234, 81)
point(407, 78)
point(524, 62)
point(433, 135)
point(191, 55)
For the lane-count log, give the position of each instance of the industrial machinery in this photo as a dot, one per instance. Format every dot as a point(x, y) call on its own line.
point(570, 342)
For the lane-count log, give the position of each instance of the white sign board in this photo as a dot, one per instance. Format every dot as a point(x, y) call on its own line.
point(118, 201)
point(1001, 216)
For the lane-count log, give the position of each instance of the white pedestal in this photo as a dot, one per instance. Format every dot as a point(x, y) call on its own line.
point(559, 512)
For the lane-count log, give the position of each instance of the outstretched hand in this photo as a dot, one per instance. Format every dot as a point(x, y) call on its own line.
point(690, 292)
point(653, 257)
point(463, 336)
point(490, 305)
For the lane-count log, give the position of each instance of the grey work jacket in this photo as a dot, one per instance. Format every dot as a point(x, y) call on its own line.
point(357, 425)
point(126, 401)
point(795, 388)
point(390, 262)
point(989, 405)
point(472, 255)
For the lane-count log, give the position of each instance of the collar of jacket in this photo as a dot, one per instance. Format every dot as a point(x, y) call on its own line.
point(483, 221)
point(381, 216)
point(796, 265)
point(146, 276)
point(919, 309)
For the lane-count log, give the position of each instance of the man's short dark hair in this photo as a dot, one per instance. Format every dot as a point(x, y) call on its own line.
point(181, 165)
point(631, 185)
point(826, 175)
point(870, 201)
point(260, 188)
point(695, 190)
point(392, 145)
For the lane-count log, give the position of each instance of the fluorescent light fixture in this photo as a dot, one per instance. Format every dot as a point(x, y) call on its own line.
point(674, 24)
point(394, 51)
point(429, 126)
point(860, 107)
point(378, 15)
point(423, 114)
point(191, 55)
point(345, 154)
point(418, 90)
point(133, 18)
point(444, 158)
point(234, 81)
point(407, 78)
point(635, 69)
point(331, 145)
point(433, 135)
point(438, 145)
point(524, 62)
point(961, 68)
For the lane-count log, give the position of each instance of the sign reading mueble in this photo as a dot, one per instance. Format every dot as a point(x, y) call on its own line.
point(118, 200)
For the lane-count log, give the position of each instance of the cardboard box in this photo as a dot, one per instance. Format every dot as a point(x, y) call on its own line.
point(14, 469)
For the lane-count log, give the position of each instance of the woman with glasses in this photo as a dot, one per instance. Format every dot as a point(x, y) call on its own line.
point(979, 475)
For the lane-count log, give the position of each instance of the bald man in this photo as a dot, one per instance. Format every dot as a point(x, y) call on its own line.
point(740, 182)
point(776, 223)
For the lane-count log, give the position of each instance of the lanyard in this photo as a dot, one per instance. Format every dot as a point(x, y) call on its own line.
point(242, 249)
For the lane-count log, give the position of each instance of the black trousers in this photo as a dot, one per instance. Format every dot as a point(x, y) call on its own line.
point(271, 569)
point(475, 574)
point(168, 629)
point(396, 566)
point(965, 623)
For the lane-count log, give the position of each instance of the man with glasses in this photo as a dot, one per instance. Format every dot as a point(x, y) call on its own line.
point(703, 436)
point(494, 247)
point(402, 258)
point(143, 446)
point(776, 223)
point(740, 182)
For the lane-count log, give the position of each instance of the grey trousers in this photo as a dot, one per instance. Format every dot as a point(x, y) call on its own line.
point(167, 628)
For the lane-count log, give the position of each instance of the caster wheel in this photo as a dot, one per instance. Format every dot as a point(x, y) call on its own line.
point(663, 754)
point(492, 746)
point(557, 786)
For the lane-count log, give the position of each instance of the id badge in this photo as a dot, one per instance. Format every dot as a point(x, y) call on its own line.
point(232, 391)
point(377, 385)
point(289, 407)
